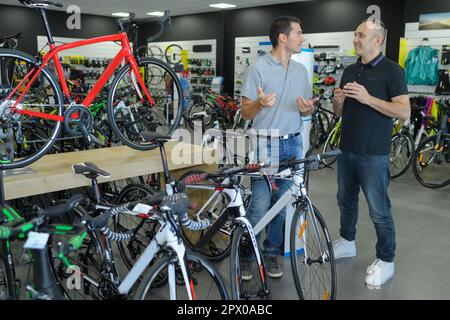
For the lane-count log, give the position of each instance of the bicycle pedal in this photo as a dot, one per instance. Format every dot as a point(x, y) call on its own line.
point(93, 140)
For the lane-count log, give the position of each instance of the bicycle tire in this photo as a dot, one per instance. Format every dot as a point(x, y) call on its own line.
point(84, 259)
point(318, 130)
point(406, 142)
point(130, 193)
point(258, 286)
point(128, 129)
point(329, 292)
point(195, 263)
point(52, 87)
point(213, 251)
point(330, 146)
point(420, 162)
point(167, 56)
point(8, 290)
point(206, 121)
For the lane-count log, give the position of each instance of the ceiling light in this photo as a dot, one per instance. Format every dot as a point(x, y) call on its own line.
point(222, 5)
point(156, 13)
point(121, 14)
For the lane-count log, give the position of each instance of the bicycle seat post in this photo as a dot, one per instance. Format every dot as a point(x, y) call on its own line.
point(96, 189)
point(46, 25)
point(164, 162)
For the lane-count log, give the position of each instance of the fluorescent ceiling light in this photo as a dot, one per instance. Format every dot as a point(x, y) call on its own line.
point(222, 5)
point(156, 13)
point(120, 14)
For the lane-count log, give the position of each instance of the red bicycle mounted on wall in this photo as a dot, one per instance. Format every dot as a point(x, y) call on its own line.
point(144, 95)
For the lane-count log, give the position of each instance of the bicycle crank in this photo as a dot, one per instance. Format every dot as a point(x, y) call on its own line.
point(78, 120)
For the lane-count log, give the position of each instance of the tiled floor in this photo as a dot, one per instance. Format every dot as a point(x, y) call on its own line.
point(422, 219)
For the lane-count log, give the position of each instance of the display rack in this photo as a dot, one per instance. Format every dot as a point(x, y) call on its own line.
point(201, 66)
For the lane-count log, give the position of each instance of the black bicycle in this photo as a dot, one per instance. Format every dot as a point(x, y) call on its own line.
point(431, 163)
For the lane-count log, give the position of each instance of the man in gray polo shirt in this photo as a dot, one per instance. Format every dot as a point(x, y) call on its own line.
point(276, 93)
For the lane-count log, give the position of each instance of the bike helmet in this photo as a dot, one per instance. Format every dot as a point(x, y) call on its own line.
point(331, 68)
point(329, 81)
point(328, 94)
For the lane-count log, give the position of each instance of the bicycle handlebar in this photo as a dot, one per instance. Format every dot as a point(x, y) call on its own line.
point(179, 204)
point(13, 233)
point(160, 20)
point(13, 36)
point(40, 4)
point(310, 159)
point(198, 178)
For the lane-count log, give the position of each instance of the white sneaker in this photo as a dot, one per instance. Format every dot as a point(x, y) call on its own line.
point(379, 272)
point(344, 249)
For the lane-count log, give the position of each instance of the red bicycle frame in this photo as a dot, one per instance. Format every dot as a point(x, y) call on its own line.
point(124, 53)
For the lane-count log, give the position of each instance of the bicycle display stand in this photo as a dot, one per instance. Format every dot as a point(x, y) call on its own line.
point(53, 172)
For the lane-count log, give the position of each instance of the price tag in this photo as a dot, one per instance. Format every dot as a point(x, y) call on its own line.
point(141, 208)
point(36, 240)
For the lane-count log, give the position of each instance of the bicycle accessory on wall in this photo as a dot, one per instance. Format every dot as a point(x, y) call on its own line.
point(445, 55)
point(202, 48)
point(443, 88)
point(422, 66)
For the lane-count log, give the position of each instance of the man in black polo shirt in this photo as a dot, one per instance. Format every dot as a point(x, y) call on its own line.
point(371, 93)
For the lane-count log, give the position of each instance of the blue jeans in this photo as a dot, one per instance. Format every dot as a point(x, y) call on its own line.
point(262, 200)
point(371, 174)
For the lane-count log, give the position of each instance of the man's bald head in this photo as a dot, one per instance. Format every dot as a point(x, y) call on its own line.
point(376, 27)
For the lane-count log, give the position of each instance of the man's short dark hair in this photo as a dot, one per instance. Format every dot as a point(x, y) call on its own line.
point(281, 25)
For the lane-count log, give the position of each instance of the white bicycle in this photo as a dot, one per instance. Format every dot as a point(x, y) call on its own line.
point(311, 248)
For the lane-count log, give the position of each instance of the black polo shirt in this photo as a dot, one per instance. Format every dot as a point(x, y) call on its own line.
point(365, 130)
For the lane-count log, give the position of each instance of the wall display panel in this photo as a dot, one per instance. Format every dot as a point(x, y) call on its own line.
point(433, 38)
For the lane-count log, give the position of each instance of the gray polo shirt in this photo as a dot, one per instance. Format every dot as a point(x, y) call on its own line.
point(271, 76)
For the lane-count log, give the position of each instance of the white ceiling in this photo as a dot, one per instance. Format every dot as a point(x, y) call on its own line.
point(141, 7)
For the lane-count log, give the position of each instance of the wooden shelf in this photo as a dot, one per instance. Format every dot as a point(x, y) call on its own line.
point(54, 172)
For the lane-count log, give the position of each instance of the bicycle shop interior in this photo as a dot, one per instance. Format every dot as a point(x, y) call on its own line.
point(122, 121)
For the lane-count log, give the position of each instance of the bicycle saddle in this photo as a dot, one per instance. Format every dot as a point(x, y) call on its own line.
point(151, 136)
point(13, 36)
point(89, 170)
point(40, 4)
point(63, 207)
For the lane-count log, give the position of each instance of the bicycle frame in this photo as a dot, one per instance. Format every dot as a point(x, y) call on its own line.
point(235, 208)
point(166, 237)
point(124, 54)
point(298, 190)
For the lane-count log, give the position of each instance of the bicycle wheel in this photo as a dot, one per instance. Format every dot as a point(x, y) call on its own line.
point(88, 264)
point(205, 281)
point(312, 257)
point(332, 143)
point(7, 281)
point(155, 52)
point(44, 96)
point(129, 115)
point(201, 112)
point(400, 156)
point(431, 165)
point(319, 126)
point(218, 248)
point(173, 54)
point(144, 229)
point(248, 279)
